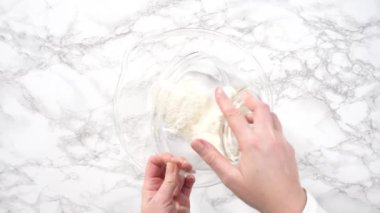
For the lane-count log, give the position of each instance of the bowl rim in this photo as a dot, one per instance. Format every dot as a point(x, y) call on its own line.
point(157, 36)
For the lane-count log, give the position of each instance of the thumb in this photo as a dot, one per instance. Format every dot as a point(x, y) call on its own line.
point(166, 191)
point(222, 167)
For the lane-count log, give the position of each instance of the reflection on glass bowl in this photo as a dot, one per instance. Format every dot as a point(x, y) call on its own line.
point(165, 96)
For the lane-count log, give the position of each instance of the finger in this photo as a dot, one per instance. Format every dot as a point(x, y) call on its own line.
point(182, 203)
point(262, 116)
point(181, 181)
point(154, 173)
point(235, 119)
point(156, 165)
point(188, 185)
point(276, 122)
point(222, 167)
point(166, 191)
point(184, 164)
point(249, 118)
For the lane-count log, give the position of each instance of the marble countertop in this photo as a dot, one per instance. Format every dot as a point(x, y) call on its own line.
point(60, 62)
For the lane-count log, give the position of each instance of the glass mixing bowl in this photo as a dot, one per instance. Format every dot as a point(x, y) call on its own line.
point(159, 62)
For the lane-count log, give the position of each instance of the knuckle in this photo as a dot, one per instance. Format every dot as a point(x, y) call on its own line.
point(169, 154)
point(253, 144)
point(170, 181)
point(266, 134)
point(166, 155)
point(276, 146)
point(210, 158)
point(273, 141)
point(228, 178)
point(177, 159)
point(151, 158)
point(232, 112)
point(263, 106)
point(251, 141)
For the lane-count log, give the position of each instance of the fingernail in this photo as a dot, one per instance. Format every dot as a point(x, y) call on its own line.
point(204, 143)
point(191, 178)
point(219, 91)
point(199, 145)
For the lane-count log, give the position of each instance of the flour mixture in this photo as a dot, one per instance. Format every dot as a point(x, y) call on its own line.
point(189, 107)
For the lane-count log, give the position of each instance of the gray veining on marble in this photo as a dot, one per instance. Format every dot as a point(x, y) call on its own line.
point(59, 65)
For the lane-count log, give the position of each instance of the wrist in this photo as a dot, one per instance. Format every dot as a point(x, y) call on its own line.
point(299, 201)
point(294, 203)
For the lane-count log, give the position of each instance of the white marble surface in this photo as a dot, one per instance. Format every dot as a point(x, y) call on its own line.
point(60, 61)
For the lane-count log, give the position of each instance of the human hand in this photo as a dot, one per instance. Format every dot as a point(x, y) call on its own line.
point(266, 176)
point(164, 189)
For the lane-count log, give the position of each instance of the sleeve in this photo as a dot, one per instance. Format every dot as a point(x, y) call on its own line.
point(312, 205)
